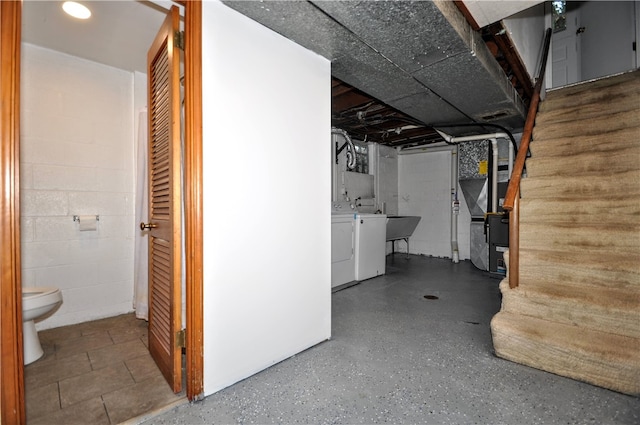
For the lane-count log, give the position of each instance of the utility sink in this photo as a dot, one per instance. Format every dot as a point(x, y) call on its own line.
point(401, 226)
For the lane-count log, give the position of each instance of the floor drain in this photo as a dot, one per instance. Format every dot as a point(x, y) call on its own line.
point(431, 297)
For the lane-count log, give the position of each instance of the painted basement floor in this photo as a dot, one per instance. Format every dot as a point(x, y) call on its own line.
point(97, 372)
point(397, 356)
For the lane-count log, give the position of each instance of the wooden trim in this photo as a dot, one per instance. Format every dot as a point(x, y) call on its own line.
point(193, 198)
point(11, 361)
point(514, 243)
point(467, 14)
point(506, 45)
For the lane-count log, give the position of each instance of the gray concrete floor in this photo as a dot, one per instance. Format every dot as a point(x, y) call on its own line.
point(398, 357)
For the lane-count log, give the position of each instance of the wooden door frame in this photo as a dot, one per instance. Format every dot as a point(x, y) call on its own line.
point(193, 195)
point(11, 361)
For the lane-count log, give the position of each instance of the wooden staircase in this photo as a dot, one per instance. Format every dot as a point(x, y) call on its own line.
point(576, 311)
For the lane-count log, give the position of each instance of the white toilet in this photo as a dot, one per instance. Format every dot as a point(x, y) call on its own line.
point(36, 303)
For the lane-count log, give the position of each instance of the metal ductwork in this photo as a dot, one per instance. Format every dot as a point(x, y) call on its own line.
point(419, 57)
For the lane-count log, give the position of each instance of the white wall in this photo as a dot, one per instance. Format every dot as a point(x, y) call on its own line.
point(527, 29)
point(384, 163)
point(76, 158)
point(267, 196)
point(424, 189)
point(487, 12)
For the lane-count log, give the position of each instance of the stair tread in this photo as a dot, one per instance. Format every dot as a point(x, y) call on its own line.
point(607, 297)
point(590, 237)
point(602, 84)
point(617, 97)
point(625, 210)
point(603, 359)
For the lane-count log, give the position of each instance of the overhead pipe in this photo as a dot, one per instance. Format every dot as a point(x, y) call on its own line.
point(472, 138)
point(511, 155)
point(493, 137)
point(494, 176)
point(485, 124)
point(351, 150)
point(455, 206)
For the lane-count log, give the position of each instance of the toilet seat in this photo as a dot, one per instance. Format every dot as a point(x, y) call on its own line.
point(37, 301)
point(38, 292)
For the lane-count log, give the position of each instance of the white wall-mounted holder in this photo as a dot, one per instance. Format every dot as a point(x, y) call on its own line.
point(77, 218)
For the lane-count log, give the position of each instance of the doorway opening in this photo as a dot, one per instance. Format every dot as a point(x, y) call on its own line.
point(13, 401)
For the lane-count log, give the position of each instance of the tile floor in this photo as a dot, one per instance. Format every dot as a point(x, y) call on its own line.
point(96, 372)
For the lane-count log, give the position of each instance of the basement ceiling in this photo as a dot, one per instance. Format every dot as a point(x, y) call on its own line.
point(419, 63)
point(117, 34)
point(399, 68)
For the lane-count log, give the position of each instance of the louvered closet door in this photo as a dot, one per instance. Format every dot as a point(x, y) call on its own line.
point(163, 69)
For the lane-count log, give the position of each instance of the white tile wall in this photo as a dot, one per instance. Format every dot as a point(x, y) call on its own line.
point(77, 147)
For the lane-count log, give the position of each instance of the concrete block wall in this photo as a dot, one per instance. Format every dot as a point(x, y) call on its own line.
point(77, 157)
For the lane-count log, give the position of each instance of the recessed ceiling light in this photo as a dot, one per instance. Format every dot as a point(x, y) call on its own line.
point(76, 10)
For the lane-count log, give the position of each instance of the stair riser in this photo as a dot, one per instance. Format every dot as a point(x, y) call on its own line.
point(625, 210)
point(575, 145)
point(615, 186)
point(585, 164)
point(578, 277)
point(578, 268)
point(618, 370)
point(600, 125)
point(623, 322)
point(582, 259)
point(588, 239)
